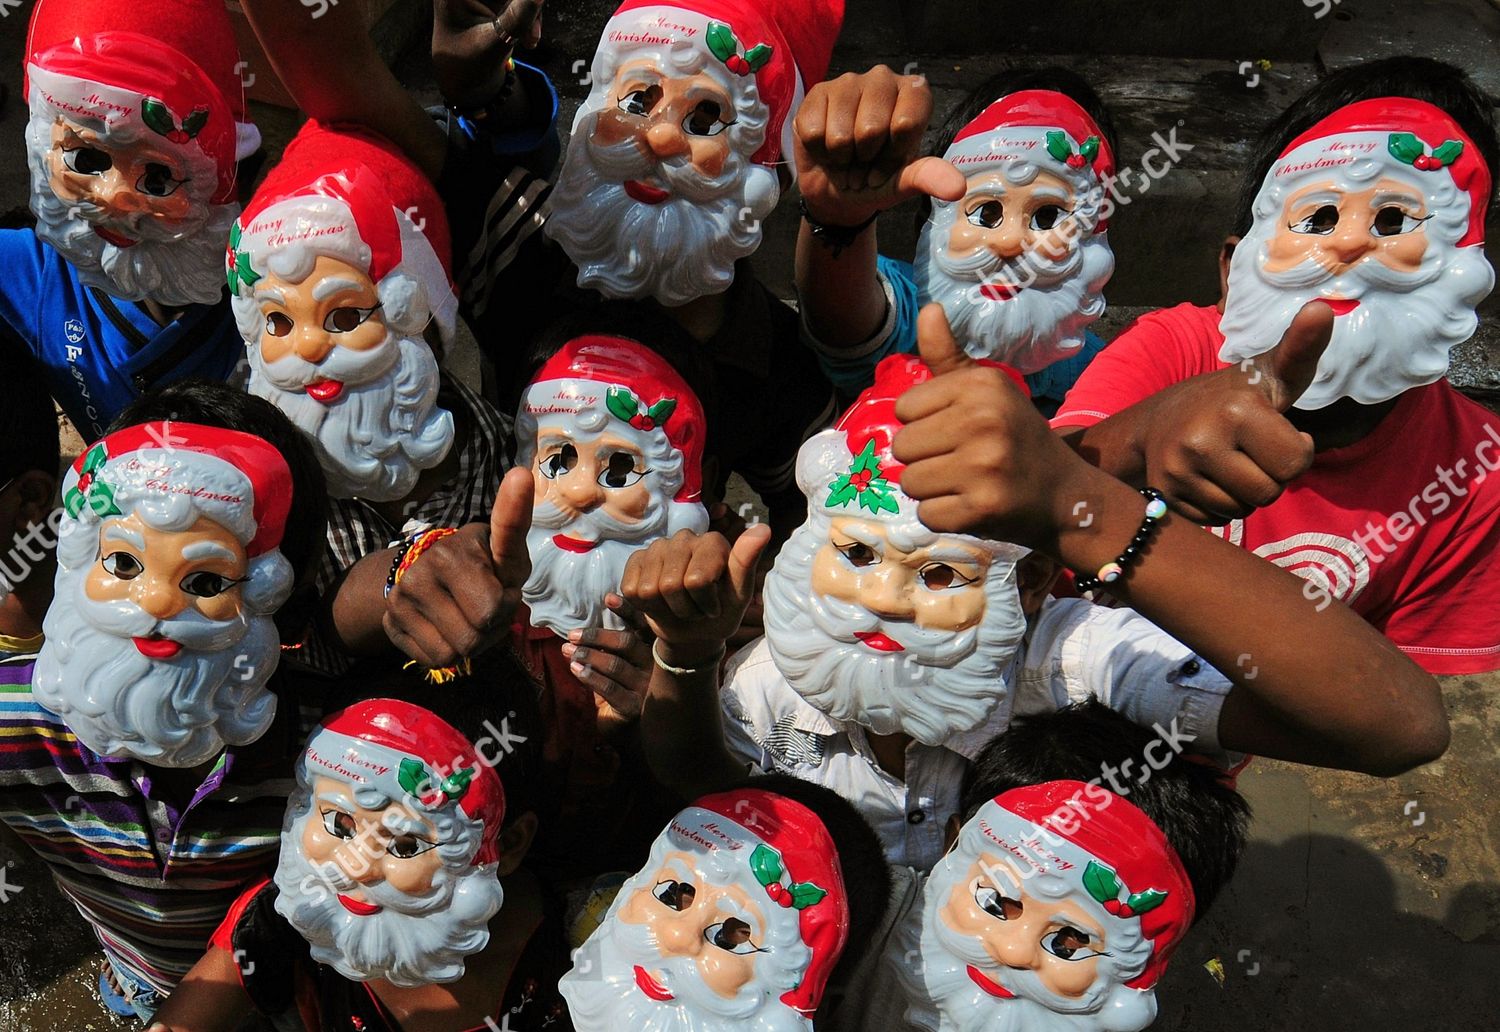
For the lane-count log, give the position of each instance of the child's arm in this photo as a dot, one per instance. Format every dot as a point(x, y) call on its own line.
point(693, 591)
point(856, 145)
point(325, 57)
point(1323, 687)
point(208, 999)
point(454, 601)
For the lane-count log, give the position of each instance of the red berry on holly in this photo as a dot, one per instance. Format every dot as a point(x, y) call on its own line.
point(641, 421)
point(1114, 906)
point(738, 65)
point(861, 481)
point(1075, 161)
point(178, 136)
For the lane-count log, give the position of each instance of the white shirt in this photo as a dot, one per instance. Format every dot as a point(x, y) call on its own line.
point(1073, 650)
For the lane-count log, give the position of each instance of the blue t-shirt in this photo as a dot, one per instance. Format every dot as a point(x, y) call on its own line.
point(99, 353)
point(1048, 386)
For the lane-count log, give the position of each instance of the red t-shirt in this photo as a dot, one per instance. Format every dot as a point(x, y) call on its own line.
point(1403, 525)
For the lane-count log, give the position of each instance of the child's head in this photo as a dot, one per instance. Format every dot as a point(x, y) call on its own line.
point(1420, 78)
point(29, 458)
point(1060, 901)
point(216, 404)
point(614, 437)
point(392, 843)
point(1020, 262)
point(749, 899)
point(1368, 194)
point(1205, 820)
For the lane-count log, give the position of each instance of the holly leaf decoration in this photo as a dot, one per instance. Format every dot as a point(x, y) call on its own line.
point(95, 459)
point(1057, 145)
point(662, 410)
point(1405, 147)
point(157, 116)
point(1101, 882)
point(1089, 148)
point(757, 56)
point(239, 268)
point(193, 124)
point(457, 783)
point(102, 500)
point(1140, 902)
point(413, 778)
point(1448, 153)
point(878, 498)
point(841, 493)
point(765, 864)
point(621, 403)
point(806, 894)
point(721, 41)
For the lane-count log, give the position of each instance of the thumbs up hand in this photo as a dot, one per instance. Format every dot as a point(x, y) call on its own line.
point(459, 597)
point(979, 458)
point(1219, 445)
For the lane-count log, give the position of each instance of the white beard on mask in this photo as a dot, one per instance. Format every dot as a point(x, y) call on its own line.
point(375, 439)
point(943, 683)
point(566, 589)
point(601, 989)
point(412, 940)
point(942, 997)
point(178, 265)
point(1042, 323)
point(680, 249)
point(176, 712)
point(1405, 325)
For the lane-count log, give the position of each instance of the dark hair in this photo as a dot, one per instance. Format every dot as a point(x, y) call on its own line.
point(218, 404)
point(1013, 80)
point(643, 324)
point(496, 701)
point(1420, 78)
point(867, 880)
point(28, 422)
point(1204, 819)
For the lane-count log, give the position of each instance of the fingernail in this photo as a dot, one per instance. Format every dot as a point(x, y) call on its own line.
point(578, 668)
point(577, 635)
point(569, 648)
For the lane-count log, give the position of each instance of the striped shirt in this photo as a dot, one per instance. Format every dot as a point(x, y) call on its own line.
point(356, 528)
point(152, 877)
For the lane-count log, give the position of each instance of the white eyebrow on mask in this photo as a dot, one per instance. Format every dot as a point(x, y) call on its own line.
point(270, 293)
point(331, 286)
point(116, 532)
point(207, 550)
point(864, 537)
point(952, 554)
point(1398, 197)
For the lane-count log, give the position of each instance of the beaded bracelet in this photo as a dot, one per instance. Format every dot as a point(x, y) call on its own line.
point(1156, 508)
point(835, 238)
point(410, 551)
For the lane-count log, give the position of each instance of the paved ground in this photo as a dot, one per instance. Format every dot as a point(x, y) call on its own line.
point(1361, 904)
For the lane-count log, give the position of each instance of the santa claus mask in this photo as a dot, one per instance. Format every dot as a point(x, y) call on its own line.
point(1019, 263)
point(160, 641)
point(614, 439)
point(133, 144)
point(870, 616)
point(671, 165)
point(736, 921)
point(1379, 211)
point(335, 270)
point(390, 846)
point(1057, 910)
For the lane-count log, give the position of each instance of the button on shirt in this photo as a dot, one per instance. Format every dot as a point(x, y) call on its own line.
point(1072, 651)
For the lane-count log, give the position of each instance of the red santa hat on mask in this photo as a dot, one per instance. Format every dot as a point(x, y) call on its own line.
point(236, 479)
point(790, 854)
point(850, 470)
point(784, 47)
point(1408, 138)
point(636, 386)
point(169, 65)
point(350, 194)
point(1044, 127)
point(410, 755)
point(1113, 852)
